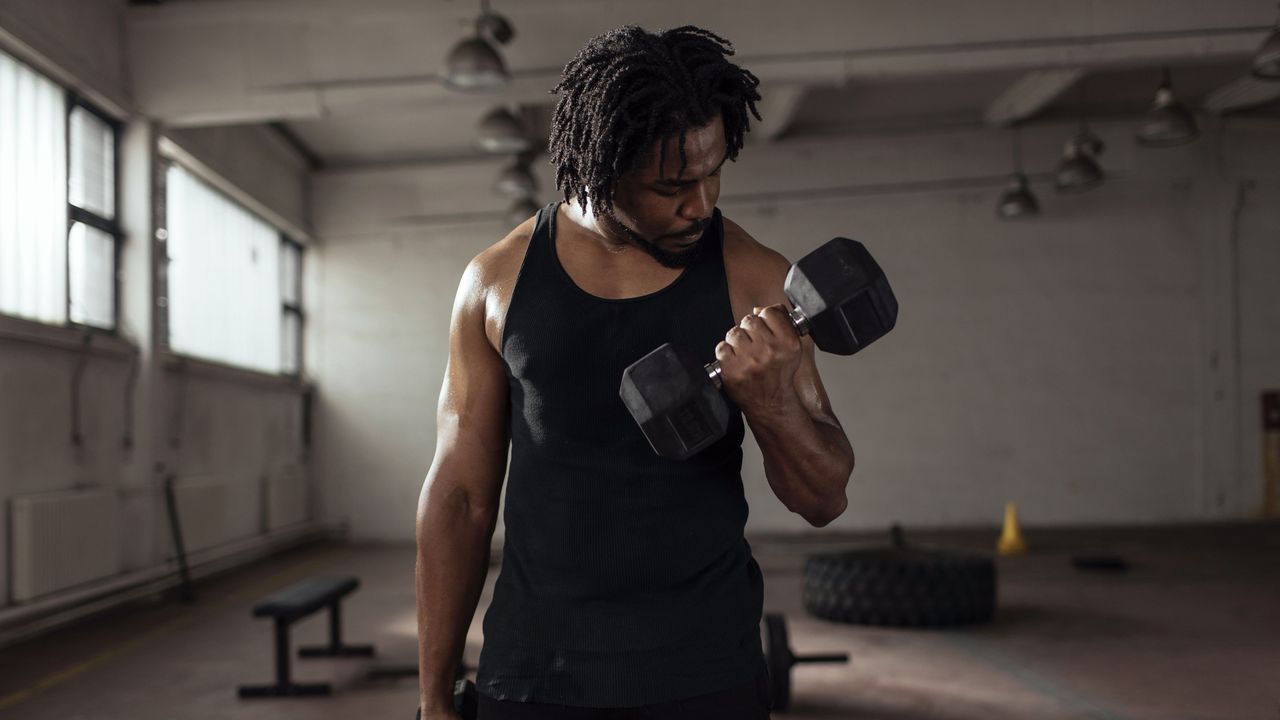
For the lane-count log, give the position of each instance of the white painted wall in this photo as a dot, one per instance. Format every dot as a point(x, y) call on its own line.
point(1063, 362)
point(202, 420)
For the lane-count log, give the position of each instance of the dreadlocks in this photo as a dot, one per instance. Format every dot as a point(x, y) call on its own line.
point(627, 89)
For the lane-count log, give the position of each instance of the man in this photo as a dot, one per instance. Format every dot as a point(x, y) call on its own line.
point(627, 588)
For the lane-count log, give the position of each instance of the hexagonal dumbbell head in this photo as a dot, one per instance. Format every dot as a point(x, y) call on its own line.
point(671, 397)
point(843, 293)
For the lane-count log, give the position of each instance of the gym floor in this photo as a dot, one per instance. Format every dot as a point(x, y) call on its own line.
point(1190, 631)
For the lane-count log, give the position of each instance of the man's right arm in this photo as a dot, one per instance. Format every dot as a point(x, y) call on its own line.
point(458, 506)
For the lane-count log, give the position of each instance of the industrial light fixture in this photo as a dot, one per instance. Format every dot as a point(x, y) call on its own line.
point(474, 63)
point(501, 131)
point(1017, 200)
point(522, 210)
point(516, 179)
point(1168, 122)
point(1088, 141)
point(1079, 169)
point(1266, 62)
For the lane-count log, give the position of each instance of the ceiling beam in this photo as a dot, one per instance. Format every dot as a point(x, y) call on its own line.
point(1029, 94)
point(1241, 94)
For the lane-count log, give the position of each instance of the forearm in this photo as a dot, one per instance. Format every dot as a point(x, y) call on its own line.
point(806, 461)
point(453, 541)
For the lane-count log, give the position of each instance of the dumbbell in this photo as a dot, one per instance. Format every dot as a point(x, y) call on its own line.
point(466, 701)
point(841, 299)
point(780, 658)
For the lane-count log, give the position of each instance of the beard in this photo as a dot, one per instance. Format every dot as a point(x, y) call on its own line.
point(674, 259)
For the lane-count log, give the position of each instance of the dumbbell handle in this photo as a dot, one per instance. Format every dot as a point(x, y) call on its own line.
point(799, 321)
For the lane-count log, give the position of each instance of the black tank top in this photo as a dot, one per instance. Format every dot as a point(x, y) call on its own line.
point(626, 579)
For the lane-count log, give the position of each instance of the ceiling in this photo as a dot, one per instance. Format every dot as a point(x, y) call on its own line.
point(960, 100)
point(357, 83)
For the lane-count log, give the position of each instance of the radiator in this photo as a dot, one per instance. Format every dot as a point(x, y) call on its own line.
point(202, 503)
point(286, 497)
point(62, 539)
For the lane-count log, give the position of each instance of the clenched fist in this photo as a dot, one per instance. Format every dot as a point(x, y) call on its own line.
point(759, 359)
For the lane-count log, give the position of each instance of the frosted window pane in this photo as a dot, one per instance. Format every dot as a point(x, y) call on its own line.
point(224, 277)
point(33, 195)
point(92, 180)
point(92, 268)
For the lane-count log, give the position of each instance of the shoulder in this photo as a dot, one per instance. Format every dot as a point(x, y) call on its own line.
point(753, 266)
point(499, 263)
point(490, 277)
point(496, 267)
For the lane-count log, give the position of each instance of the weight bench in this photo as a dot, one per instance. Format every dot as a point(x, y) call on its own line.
point(290, 605)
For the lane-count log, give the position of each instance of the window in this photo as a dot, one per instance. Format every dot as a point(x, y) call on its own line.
point(94, 236)
point(291, 296)
point(234, 281)
point(33, 194)
point(59, 236)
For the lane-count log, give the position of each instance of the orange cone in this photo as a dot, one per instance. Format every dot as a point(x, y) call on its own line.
point(1011, 540)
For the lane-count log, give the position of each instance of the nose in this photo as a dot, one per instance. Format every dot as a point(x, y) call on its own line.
point(697, 204)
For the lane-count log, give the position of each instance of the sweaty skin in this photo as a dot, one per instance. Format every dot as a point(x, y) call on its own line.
point(634, 250)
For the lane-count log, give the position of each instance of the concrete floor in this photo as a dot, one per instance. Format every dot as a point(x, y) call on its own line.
point(1192, 631)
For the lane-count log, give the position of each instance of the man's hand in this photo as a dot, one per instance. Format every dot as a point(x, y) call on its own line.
point(759, 359)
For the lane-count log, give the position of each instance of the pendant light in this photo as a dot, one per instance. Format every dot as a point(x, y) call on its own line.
point(1168, 122)
point(1017, 200)
point(516, 180)
point(1079, 169)
point(474, 63)
point(500, 131)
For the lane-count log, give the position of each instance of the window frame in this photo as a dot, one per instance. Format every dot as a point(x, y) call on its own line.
point(161, 194)
point(71, 101)
point(296, 309)
point(91, 219)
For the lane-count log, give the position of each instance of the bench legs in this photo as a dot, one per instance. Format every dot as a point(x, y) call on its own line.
point(335, 648)
point(283, 687)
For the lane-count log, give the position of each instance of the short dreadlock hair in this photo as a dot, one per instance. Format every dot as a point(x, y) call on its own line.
point(627, 89)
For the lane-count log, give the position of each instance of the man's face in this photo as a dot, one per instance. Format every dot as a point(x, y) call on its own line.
point(664, 213)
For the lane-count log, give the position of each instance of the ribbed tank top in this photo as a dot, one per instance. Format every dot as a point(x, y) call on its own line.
point(626, 579)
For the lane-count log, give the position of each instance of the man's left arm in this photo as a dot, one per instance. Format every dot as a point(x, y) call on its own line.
point(770, 373)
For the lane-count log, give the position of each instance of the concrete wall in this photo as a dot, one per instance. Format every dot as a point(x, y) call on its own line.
point(80, 42)
point(1259, 283)
point(189, 419)
point(1253, 162)
point(1071, 363)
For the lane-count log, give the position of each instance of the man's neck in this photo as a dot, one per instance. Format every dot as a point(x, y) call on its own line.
point(600, 230)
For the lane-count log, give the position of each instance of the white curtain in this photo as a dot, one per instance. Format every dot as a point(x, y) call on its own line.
point(90, 265)
point(33, 194)
point(93, 164)
point(224, 277)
